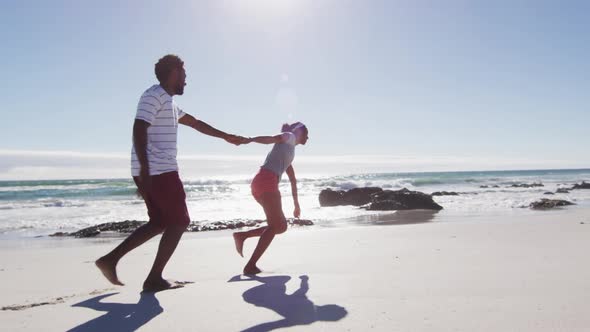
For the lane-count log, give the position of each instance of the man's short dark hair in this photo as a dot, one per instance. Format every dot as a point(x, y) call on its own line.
point(166, 65)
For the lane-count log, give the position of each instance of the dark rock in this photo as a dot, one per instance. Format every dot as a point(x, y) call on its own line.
point(329, 197)
point(386, 205)
point(444, 193)
point(374, 198)
point(356, 196)
point(129, 226)
point(484, 186)
point(403, 199)
point(126, 226)
point(545, 203)
point(60, 234)
point(526, 185)
point(300, 222)
point(360, 196)
point(548, 193)
point(583, 185)
point(563, 190)
point(90, 232)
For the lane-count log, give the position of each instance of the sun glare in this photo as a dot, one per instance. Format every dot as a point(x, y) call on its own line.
point(267, 7)
point(274, 5)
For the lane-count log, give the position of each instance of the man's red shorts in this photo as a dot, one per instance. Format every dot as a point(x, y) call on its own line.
point(166, 201)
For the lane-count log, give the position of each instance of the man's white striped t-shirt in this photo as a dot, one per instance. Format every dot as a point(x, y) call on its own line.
point(157, 108)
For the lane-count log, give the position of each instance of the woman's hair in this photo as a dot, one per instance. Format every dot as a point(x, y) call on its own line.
point(292, 127)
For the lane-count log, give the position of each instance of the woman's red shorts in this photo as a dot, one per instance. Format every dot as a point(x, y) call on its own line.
point(264, 181)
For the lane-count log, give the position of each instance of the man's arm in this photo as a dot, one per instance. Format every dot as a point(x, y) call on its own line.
point(291, 174)
point(190, 121)
point(140, 139)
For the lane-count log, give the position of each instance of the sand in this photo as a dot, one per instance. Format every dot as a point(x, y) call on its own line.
point(485, 274)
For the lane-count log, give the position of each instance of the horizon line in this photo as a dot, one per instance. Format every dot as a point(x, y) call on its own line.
point(400, 173)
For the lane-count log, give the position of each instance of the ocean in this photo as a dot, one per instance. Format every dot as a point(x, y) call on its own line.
point(38, 208)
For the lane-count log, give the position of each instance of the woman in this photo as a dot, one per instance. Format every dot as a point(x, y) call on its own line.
point(265, 189)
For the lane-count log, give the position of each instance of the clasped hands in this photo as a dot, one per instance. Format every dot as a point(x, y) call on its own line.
point(237, 140)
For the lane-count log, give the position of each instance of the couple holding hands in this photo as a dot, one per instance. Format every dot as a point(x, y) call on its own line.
point(155, 172)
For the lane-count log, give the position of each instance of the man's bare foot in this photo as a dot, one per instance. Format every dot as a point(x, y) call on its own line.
point(239, 241)
point(251, 269)
point(109, 270)
point(160, 285)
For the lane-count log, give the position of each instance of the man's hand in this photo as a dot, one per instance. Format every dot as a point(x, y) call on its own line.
point(145, 182)
point(237, 140)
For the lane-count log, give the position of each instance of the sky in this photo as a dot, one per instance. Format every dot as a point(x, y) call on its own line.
point(409, 85)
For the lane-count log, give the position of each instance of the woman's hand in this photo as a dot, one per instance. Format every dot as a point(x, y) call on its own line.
point(297, 211)
point(237, 140)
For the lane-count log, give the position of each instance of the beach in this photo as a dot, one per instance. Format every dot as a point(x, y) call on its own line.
point(381, 165)
point(492, 273)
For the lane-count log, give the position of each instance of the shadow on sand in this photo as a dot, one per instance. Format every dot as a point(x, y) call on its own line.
point(296, 308)
point(119, 316)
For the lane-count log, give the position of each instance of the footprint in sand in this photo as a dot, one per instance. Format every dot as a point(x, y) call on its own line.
point(57, 300)
point(170, 284)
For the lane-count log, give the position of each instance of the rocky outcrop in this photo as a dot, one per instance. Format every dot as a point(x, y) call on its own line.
point(563, 190)
point(544, 204)
point(526, 185)
point(237, 224)
point(126, 226)
point(444, 193)
point(403, 199)
point(356, 196)
point(129, 226)
point(583, 185)
point(374, 198)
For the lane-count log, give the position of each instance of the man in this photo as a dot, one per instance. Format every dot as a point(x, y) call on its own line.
point(155, 171)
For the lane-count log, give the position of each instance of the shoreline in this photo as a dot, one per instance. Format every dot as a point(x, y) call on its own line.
point(31, 210)
point(383, 218)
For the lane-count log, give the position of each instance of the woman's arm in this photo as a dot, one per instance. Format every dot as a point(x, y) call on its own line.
point(291, 174)
point(267, 139)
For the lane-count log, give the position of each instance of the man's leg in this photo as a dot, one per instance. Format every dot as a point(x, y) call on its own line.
point(168, 244)
point(108, 263)
point(171, 205)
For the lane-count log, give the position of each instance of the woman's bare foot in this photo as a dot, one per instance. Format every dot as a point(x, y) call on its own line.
point(160, 284)
point(239, 242)
point(251, 269)
point(108, 269)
